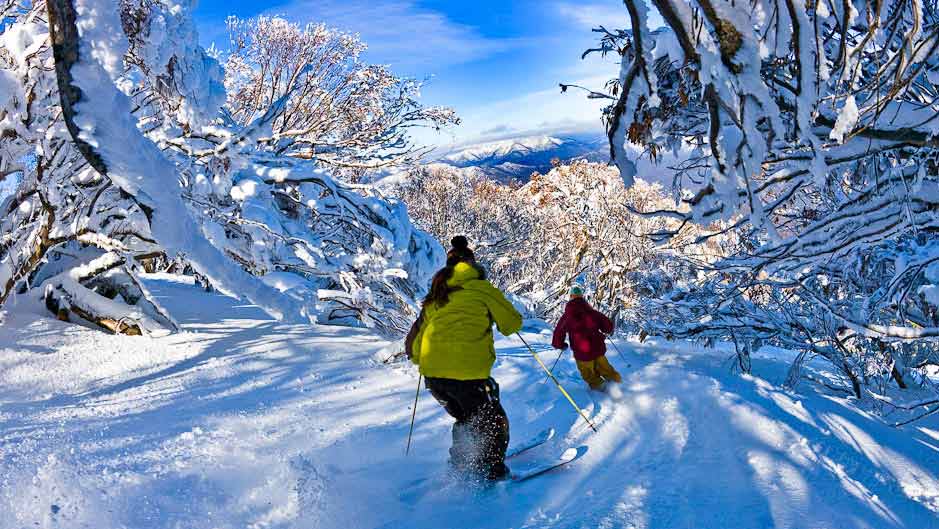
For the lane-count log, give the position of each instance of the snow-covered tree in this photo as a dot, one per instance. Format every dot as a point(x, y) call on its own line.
point(111, 123)
point(447, 201)
point(812, 131)
point(60, 203)
point(575, 223)
point(347, 114)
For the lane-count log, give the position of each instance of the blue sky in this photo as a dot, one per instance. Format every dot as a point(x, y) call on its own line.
point(498, 63)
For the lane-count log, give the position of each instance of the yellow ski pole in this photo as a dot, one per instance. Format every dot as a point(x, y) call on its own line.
point(558, 384)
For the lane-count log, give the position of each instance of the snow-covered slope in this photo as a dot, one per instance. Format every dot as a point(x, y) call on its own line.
point(242, 421)
point(518, 158)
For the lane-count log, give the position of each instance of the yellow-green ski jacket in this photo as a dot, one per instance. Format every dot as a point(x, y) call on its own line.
point(455, 340)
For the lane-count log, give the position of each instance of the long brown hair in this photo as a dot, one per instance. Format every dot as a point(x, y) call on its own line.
point(439, 293)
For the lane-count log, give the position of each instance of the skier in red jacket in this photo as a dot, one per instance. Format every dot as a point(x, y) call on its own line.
point(586, 328)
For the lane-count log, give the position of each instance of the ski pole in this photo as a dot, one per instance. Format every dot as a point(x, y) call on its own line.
point(558, 359)
point(413, 413)
point(617, 348)
point(557, 383)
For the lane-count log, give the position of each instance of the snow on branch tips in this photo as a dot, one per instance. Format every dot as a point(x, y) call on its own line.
point(811, 128)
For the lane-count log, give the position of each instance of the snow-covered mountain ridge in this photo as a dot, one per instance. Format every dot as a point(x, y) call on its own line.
point(511, 147)
point(518, 158)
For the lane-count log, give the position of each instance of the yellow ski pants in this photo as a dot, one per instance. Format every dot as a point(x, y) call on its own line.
point(596, 372)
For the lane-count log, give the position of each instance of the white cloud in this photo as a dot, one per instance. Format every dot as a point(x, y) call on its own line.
point(399, 32)
point(611, 14)
point(499, 129)
point(541, 110)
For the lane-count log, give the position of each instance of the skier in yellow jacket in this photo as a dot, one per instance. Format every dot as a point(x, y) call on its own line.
point(452, 343)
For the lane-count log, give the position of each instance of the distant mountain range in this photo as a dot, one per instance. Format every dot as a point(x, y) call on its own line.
point(517, 158)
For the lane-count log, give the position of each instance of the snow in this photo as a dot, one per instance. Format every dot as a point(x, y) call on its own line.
point(6, 272)
point(22, 40)
point(244, 190)
point(627, 167)
point(931, 293)
point(198, 77)
point(932, 271)
point(847, 118)
point(99, 25)
point(9, 88)
point(244, 421)
point(666, 45)
point(285, 281)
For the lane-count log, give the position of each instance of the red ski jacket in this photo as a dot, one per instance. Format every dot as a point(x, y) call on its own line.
point(584, 325)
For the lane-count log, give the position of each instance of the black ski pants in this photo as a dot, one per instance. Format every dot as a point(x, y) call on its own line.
point(481, 431)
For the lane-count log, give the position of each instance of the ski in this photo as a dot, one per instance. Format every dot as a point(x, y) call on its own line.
point(543, 437)
point(417, 489)
point(539, 468)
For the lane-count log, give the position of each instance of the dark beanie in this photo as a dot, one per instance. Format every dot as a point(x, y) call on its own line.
point(460, 251)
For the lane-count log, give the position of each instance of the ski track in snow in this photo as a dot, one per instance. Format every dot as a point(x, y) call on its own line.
point(241, 421)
